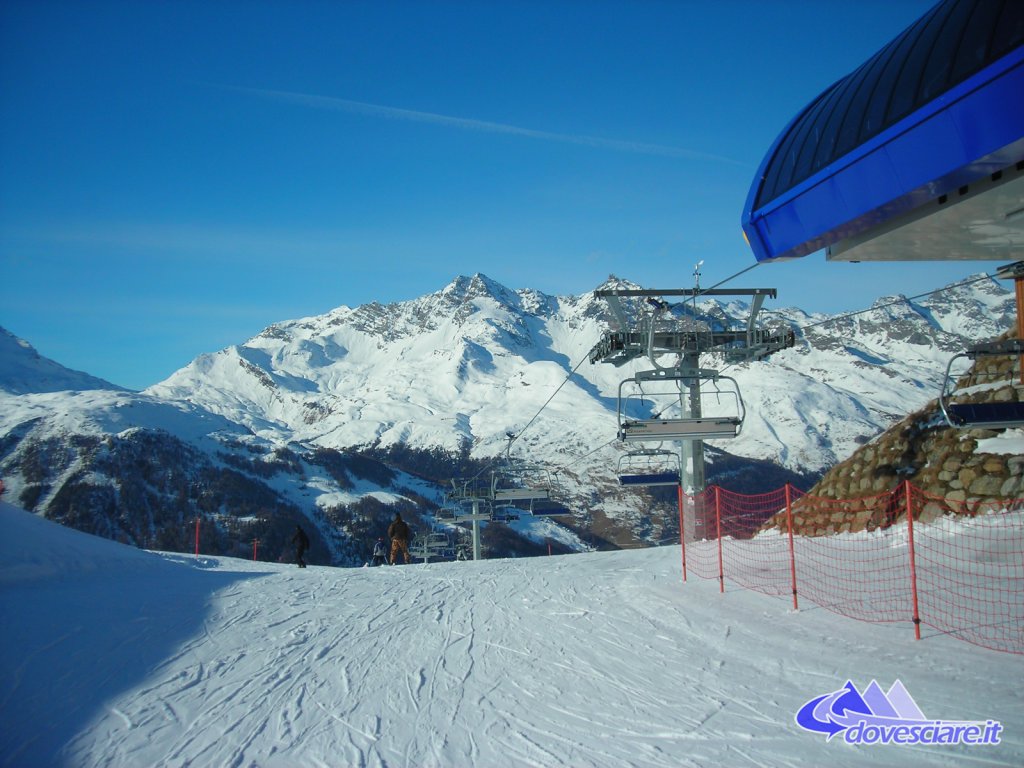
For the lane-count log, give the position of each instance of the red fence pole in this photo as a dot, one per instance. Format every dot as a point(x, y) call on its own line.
point(792, 554)
point(718, 524)
point(908, 489)
point(255, 542)
point(197, 537)
point(682, 527)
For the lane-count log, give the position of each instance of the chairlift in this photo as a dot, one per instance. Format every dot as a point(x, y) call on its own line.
point(528, 489)
point(467, 490)
point(534, 493)
point(435, 544)
point(438, 540)
point(522, 483)
point(549, 509)
point(505, 515)
point(708, 389)
point(468, 515)
point(992, 415)
point(649, 467)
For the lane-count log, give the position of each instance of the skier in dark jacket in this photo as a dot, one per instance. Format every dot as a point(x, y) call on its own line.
point(398, 532)
point(301, 542)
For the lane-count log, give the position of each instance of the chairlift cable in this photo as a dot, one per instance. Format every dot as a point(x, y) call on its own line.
point(837, 318)
point(726, 280)
point(893, 303)
point(558, 389)
point(586, 455)
point(513, 437)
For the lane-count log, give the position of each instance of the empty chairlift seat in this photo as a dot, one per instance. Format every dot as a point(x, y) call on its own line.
point(649, 467)
point(716, 406)
point(505, 515)
point(549, 509)
point(679, 429)
point(525, 483)
point(989, 415)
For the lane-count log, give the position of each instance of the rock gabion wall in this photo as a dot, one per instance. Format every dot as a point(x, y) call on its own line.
point(950, 466)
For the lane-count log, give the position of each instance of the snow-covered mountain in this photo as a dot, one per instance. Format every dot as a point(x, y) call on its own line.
point(344, 417)
point(24, 370)
point(476, 360)
point(470, 362)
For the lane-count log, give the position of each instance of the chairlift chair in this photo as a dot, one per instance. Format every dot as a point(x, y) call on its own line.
point(418, 548)
point(530, 489)
point(658, 385)
point(465, 490)
point(649, 467)
point(995, 415)
point(437, 540)
point(549, 509)
point(522, 483)
point(505, 515)
point(467, 515)
point(434, 544)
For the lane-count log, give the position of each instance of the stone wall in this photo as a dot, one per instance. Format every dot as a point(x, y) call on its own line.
point(944, 463)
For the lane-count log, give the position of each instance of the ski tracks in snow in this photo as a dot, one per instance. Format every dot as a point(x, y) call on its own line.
point(495, 663)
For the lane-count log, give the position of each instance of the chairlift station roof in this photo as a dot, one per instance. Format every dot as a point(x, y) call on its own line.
point(916, 155)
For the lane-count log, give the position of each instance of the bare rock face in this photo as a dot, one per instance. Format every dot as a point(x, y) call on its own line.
point(954, 469)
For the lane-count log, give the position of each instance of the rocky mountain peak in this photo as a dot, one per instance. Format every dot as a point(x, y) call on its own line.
point(464, 289)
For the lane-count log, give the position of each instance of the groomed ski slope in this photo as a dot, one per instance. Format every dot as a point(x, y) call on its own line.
point(116, 657)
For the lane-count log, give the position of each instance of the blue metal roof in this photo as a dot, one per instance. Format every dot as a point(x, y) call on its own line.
point(939, 107)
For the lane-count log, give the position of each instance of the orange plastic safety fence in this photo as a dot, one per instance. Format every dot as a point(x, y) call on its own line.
point(970, 572)
point(964, 576)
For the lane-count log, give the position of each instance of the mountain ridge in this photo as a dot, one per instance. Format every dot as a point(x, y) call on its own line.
point(453, 373)
point(25, 371)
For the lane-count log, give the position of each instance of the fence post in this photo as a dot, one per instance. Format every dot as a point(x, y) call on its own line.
point(255, 543)
point(197, 536)
point(908, 489)
point(792, 554)
point(718, 526)
point(682, 527)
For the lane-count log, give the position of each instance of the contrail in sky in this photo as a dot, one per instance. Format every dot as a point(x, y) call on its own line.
point(469, 124)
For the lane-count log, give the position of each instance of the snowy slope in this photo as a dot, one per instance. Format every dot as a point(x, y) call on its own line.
point(116, 657)
point(106, 412)
point(24, 370)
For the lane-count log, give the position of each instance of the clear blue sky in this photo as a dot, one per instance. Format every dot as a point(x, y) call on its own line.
point(176, 176)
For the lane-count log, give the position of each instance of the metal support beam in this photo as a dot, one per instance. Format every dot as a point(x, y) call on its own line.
point(476, 529)
point(604, 293)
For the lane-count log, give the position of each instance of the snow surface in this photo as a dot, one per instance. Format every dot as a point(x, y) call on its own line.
point(24, 370)
point(117, 657)
point(1010, 441)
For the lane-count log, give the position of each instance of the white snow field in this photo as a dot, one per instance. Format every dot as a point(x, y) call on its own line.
point(111, 656)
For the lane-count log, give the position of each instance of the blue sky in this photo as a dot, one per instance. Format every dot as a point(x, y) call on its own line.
point(176, 176)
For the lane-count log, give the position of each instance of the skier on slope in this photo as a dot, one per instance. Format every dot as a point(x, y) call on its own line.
point(380, 552)
point(398, 532)
point(301, 542)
